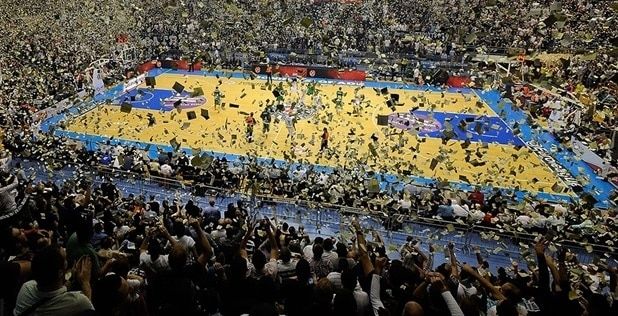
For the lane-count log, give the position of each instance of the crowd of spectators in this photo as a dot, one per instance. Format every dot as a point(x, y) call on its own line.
point(80, 249)
point(380, 26)
point(43, 57)
point(84, 249)
point(574, 99)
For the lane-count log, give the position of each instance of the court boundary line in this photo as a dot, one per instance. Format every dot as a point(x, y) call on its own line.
point(527, 145)
point(415, 179)
point(538, 136)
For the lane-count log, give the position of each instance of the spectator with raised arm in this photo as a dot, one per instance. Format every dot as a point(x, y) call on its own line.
point(47, 293)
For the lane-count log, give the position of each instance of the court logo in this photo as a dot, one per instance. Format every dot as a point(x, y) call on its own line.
point(415, 123)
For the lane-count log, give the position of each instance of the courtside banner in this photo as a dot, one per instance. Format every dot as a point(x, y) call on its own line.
point(311, 72)
point(147, 66)
point(133, 83)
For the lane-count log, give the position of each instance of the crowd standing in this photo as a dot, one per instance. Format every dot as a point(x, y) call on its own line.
point(81, 249)
point(84, 249)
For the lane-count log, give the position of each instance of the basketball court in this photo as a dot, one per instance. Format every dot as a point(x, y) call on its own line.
point(408, 125)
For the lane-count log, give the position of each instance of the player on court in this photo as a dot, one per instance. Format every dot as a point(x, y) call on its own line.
point(218, 95)
point(324, 140)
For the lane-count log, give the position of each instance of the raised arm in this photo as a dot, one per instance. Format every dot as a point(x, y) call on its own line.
point(166, 234)
point(377, 238)
point(485, 283)
point(206, 248)
point(554, 272)
point(144, 247)
point(479, 257)
point(245, 239)
point(353, 247)
point(88, 195)
point(374, 295)
point(363, 256)
point(429, 264)
point(437, 280)
point(274, 248)
point(613, 281)
point(453, 260)
point(83, 271)
point(427, 259)
point(539, 249)
point(421, 290)
point(563, 271)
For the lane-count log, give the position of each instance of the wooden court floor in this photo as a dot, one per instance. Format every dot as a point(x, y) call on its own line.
point(398, 152)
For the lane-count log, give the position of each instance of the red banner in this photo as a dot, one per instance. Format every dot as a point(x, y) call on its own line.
point(280, 70)
point(458, 81)
point(172, 64)
point(312, 72)
point(149, 65)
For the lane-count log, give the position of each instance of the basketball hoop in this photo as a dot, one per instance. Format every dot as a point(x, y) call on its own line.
point(125, 52)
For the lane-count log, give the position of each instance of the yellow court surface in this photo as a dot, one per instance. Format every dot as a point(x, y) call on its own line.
point(397, 151)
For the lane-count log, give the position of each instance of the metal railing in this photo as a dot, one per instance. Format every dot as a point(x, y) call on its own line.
point(144, 182)
point(320, 217)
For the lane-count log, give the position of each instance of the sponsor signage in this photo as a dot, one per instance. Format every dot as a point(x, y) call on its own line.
point(134, 83)
point(554, 165)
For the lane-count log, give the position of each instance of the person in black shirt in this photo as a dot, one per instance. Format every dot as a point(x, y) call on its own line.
point(154, 205)
point(295, 293)
point(266, 119)
point(192, 209)
point(174, 292)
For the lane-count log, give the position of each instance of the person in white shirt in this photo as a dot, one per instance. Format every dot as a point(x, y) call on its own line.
point(476, 214)
point(335, 276)
point(524, 220)
point(299, 173)
point(263, 266)
point(308, 250)
point(154, 166)
point(286, 267)
point(166, 170)
point(539, 221)
point(330, 255)
point(555, 220)
point(5, 161)
point(186, 241)
point(323, 179)
point(219, 234)
point(116, 163)
point(460, 211)
point(405, 203)
point(150, 257)
point(336, 192)
point(8, 193)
